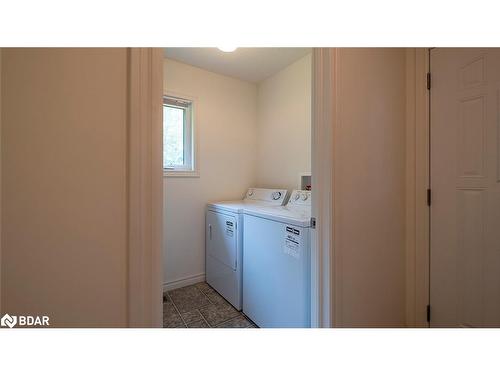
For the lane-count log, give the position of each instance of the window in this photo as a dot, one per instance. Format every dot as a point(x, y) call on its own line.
point(178, 145)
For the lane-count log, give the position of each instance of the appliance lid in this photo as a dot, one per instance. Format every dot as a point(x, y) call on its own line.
point(239, 206)
point(232, 206)
point(284, 214)
point(255, 197)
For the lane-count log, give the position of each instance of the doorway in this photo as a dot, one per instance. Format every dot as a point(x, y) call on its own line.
point(465, 188)
point(219, 160)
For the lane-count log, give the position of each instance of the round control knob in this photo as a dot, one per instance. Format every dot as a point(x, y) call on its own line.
point(296, 197)
point(304, 196)
point(276, 195)
point(250, 192)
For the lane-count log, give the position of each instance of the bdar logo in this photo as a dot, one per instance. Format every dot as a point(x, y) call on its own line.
point(8, 321)
point(24, 321)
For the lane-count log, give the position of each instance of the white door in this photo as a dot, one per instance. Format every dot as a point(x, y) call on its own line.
point(222, 238)
point(465, 183)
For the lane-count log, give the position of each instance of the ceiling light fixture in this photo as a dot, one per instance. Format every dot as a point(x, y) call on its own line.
point(227, 49)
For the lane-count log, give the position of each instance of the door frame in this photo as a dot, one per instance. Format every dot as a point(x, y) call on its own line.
point(324, 118)
point(146, 186)
point(417, 183)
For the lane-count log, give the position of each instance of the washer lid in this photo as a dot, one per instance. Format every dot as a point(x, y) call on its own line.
point(298, 216)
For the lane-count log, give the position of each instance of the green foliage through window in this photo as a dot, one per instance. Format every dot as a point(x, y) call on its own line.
point(173, 136)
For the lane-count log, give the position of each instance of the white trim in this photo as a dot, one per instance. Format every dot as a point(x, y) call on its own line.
point(322, 251)
point(185, 281)
point(180, 173)
point(145, 187)
point(417, 182)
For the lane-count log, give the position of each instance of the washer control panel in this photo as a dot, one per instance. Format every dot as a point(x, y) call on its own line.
point(300, 198)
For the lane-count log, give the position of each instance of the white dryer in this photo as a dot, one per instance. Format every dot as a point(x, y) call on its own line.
point(224, 240)
point(277, 262)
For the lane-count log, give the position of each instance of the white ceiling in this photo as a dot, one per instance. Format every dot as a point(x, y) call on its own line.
point(248, 64)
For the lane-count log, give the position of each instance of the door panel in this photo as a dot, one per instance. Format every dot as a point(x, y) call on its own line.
point(222, 237)
point(465, 171)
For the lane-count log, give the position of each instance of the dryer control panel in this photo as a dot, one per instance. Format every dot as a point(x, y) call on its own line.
point(272, 196)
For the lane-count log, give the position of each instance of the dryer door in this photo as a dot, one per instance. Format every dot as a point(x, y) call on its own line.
point(222, 238)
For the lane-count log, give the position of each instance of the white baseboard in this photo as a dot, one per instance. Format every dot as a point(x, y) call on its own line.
point(179, 283)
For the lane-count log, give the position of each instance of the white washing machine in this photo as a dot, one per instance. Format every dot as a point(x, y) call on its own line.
point(277, 262)
point(224, 240)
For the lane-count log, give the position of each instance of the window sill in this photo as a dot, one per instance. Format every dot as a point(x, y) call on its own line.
point(180, 173)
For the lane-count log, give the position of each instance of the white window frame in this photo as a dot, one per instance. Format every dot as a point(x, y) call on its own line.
point(189, 169)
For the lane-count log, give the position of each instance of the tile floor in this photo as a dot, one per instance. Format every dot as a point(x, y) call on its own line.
point(200, 306)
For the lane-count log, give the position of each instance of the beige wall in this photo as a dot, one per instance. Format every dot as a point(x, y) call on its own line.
point(369, 182)
point(225, 118)
point(284, 126)
point(64, 184)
